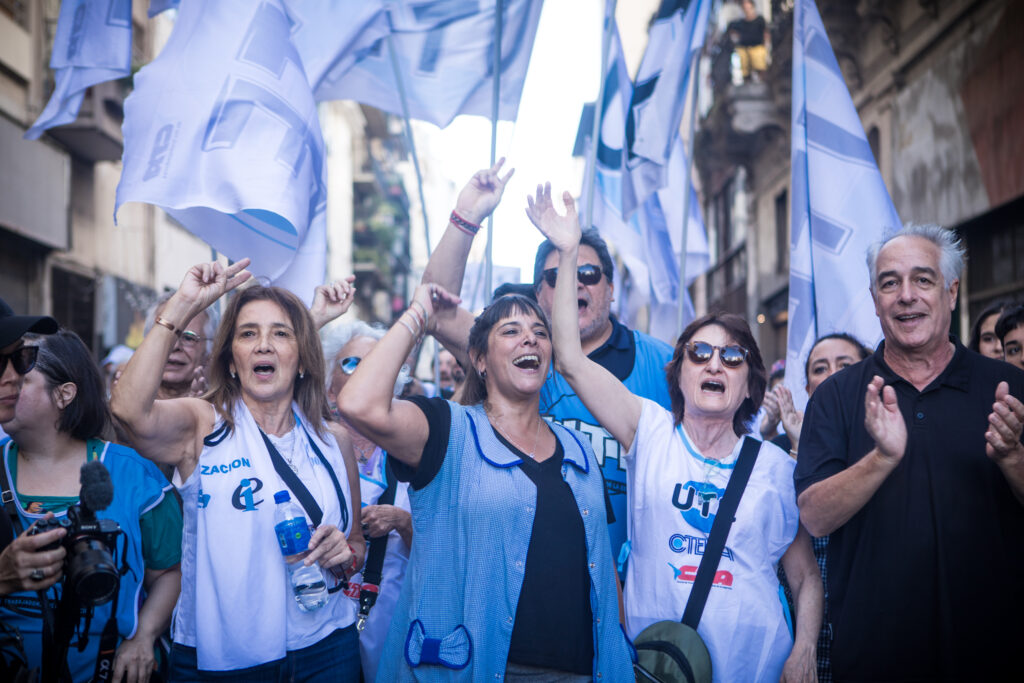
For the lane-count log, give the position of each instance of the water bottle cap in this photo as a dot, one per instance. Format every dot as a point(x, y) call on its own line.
point(282, 497)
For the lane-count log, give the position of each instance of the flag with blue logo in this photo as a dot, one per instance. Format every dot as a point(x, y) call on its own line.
point(659, 96)
point(93, 44)
point(840, 205)
point(445, 55)
point(333, 35)
point(649, 241)
point(222, 133)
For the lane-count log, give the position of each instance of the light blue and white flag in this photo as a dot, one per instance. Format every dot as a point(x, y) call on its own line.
point(93, 44)
point(222, 133)
point(445, 55)
point(839, 203)
point(333, 35)
point(650, 241)
point(158, 6)
point(659, 96)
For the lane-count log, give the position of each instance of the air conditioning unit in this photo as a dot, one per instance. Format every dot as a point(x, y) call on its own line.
point(96, 133)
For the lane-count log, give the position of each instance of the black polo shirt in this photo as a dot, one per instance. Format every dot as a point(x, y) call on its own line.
point(618, 353)
point(926, 581)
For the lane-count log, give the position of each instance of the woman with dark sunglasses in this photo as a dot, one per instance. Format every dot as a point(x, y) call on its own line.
point(58, 425)
point(678, 465)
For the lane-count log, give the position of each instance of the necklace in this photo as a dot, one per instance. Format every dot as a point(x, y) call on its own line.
point(536, 438)
point(287, 445)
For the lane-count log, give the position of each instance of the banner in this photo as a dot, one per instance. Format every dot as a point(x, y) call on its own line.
point(333, 35)
point(840, 205)
point(659, 97)
point(221, 132)
point(93, 44)
point(445, 55)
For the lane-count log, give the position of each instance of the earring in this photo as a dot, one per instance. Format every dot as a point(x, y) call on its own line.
point(483, 375)
point(302, 373)
point(233, 375)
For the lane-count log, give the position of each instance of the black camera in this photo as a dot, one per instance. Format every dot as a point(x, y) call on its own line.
point(90, 573)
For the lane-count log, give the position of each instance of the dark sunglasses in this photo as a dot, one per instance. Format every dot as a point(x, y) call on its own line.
point(348, 365)
point(731, 355)
point(23, 359)
point(586, 275)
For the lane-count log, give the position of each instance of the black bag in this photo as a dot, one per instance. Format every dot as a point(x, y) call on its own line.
point(673, 651)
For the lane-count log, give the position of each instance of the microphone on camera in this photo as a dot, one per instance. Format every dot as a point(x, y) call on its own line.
point(97, 489)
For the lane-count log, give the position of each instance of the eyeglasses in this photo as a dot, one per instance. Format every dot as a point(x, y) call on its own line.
point(586, 275)
point(190, 338)
point(731, 355)
point(22, 360)
point(348, 365)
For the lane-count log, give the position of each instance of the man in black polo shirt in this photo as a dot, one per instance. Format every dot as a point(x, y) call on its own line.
point(912, 460)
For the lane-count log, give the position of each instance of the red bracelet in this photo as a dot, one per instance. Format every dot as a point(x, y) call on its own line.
point(462, 224)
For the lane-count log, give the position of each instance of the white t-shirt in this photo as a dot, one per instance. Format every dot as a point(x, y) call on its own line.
point(743, 623)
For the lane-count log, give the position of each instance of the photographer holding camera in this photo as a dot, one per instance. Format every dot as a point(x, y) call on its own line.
point(92, 610)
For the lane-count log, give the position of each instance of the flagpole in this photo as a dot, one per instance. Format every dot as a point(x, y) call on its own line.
point(595, 132)
point(409, 139)
point(499, 19)
point(687, 186)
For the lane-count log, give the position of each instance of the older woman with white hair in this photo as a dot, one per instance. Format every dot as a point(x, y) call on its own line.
point(387, 521)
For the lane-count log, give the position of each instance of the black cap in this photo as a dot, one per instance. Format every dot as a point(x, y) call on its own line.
point(12, 327)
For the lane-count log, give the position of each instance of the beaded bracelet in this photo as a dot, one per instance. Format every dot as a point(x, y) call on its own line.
point(462, 224)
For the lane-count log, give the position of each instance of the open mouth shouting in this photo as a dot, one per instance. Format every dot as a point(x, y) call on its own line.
point(712, 386)
point(264, 370)
point(529, 361)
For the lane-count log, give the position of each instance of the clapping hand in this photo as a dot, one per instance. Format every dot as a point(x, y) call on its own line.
point(563, 231)
point(884, 421)
point(792, 419)
point(1005, 424)
point(332, 301)
point(482, 193)
point(204, 283)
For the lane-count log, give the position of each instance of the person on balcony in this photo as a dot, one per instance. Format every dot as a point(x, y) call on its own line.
point(750, 38)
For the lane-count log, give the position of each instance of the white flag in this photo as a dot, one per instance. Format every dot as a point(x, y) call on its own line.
point(839, 207)
point(221, 132)
point(445, 55)
point(93, 44)
point(659, 96)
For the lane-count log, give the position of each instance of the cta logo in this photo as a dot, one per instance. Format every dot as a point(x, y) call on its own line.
point(692, 545)
point(161, 150)
point(687, 573)
point(244, 496)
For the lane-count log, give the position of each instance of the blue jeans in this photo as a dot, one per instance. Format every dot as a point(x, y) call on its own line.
point(335, 658)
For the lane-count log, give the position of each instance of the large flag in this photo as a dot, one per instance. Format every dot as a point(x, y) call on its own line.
point(650, 241)
point(659, 97)
point(93, 44)
point(222, 133)
point(445, 55)
point(839, 203)
point(333, 35)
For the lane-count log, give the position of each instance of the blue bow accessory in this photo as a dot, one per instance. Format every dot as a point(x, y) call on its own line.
point(452, 652)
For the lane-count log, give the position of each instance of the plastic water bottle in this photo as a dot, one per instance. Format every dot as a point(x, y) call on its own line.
point(293, 536)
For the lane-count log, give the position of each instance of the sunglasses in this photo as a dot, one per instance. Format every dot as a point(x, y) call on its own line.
point(22, 360)
point(731, 355)
point(586, 275)
point(348, 365)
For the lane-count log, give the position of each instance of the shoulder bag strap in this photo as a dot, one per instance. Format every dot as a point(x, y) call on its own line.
point(373, 571)
point(342, 503)
point(292, 481)
point(720, 532)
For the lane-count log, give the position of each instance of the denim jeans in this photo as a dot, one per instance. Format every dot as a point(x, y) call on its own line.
point(335, 658)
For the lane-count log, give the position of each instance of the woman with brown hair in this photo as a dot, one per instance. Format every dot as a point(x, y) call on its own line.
point(262, 424)
point(678, 466)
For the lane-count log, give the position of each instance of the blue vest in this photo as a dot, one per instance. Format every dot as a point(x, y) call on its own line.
point(472, 524)
point(138, 487)
point(647, 380)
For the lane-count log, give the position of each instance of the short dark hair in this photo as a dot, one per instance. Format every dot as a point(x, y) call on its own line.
point(994, 308)
point(1009, 320)
point(757, 377)
point(862, 350)
point(590, 238)
point(474, 391)
point(64, 357)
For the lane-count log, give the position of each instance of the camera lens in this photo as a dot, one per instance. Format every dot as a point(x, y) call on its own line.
point(91, 572)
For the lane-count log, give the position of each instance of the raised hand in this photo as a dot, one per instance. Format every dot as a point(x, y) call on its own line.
point(1005, 424)
point(563, 231)
point(482, 193)
point(435, 300)
point(883, 420)
point(332, 301)
point(771, 415)
point(792, 419)
point(204, 283)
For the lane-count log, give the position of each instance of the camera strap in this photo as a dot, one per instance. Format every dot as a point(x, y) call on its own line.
point(108, 645)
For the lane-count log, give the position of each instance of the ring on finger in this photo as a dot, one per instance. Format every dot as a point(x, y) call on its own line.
point(37, 574)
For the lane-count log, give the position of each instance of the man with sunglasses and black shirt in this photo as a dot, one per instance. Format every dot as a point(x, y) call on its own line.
point(637, 359)
point(23, 566)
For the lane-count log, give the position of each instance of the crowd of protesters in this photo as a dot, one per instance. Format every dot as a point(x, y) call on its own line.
point(539, 510)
